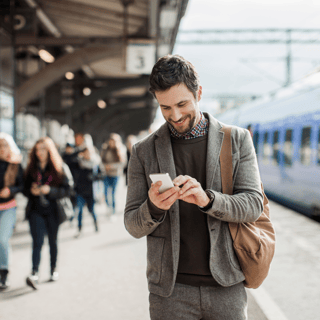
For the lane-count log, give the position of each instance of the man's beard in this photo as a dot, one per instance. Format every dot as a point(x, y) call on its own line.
point(192, 123)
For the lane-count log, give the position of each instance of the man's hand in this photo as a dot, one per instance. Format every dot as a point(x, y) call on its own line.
point(191, 191)
point(5, 193)
point(164, 200)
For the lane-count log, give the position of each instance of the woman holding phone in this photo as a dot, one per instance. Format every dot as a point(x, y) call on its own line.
point(47, 179)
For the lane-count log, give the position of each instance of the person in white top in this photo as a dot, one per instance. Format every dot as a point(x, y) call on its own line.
point(114, 160)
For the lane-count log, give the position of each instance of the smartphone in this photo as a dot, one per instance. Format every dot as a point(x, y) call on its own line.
point(164, 178)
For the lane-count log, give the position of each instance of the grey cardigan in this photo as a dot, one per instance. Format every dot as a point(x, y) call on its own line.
point(154, 155)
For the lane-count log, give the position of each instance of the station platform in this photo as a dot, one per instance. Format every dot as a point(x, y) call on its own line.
point(102, 275)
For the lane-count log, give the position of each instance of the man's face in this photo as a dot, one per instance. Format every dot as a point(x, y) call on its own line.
point(179, 107)
point(78, 140)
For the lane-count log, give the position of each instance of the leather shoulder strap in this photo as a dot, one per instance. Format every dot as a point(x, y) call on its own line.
point(226, 162)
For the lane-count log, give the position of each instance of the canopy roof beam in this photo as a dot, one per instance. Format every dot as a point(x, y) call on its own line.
point(69, 62)
point(105, 92)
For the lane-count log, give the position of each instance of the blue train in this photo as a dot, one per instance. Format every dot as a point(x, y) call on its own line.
point(286, 134)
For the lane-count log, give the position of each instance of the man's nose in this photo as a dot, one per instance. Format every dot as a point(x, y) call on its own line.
point(176, 115)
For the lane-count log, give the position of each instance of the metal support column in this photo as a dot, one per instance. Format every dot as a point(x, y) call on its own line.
point(288, 58)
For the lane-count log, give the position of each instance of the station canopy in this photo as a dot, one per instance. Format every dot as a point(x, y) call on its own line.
point(86, 63)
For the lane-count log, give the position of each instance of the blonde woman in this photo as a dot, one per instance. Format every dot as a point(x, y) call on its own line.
point(11, 182)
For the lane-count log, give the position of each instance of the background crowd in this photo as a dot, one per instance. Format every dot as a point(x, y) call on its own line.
point(78, 176)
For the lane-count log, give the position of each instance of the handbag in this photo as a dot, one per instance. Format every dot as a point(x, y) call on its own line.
point(65, 209)
point(253, 242)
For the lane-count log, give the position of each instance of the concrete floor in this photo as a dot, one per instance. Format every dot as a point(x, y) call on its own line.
point(102, 275)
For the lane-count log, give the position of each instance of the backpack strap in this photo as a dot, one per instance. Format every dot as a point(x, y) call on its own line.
point(226, 162)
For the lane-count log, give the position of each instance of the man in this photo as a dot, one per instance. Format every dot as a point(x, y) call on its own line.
point(70, 157)
point(192, 270)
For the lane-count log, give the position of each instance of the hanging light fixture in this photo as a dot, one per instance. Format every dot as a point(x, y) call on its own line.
point(46, 56)
point(69, 75)
point(101, 104)
point(86, 91)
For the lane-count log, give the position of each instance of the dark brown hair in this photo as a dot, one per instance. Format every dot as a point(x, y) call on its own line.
point(54, 162)
point(171, 70)
point(116, 151)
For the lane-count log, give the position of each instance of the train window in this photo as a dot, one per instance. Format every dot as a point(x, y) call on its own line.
point(266, 148)
point(305, 149)
point(275, 147)
point(288, 148)
point(256, 141)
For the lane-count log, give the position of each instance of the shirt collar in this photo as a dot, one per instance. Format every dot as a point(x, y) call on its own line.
point(200, 130)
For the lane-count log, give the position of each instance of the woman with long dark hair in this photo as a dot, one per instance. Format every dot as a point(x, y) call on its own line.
point(113, 159)
point(47, 178)
point(11, 182)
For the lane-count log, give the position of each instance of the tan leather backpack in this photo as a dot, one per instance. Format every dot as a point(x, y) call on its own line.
point(253, 242)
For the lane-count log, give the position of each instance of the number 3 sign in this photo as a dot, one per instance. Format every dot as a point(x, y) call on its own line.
point(140, 58)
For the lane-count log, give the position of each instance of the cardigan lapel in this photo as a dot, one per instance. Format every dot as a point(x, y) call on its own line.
point(166, 164)
point(215, 138)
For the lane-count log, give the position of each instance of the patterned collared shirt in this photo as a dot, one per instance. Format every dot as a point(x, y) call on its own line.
point(200, 130)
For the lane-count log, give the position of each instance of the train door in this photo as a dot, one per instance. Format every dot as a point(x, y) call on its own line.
point(307, 184)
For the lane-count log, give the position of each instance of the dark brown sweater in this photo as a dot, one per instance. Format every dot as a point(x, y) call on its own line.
point(193, 269)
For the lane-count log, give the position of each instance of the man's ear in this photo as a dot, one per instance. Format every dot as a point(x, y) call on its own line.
point(199, 93)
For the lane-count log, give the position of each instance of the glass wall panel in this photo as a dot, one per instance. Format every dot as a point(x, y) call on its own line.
point(6, 85)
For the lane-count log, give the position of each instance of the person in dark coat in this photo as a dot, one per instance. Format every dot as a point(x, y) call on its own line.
point(47, 178)
point(84, 187)
point(131, 140)
point(70, 157)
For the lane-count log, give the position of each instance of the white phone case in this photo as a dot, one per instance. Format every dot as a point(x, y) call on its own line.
point(164, 178)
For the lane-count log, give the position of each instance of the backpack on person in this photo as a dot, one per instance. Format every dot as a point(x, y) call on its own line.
point(253, 242)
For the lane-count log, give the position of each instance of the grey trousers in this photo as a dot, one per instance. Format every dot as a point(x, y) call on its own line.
point(195, 303)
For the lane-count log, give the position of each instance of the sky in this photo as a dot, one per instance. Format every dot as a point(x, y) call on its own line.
point(222, 68)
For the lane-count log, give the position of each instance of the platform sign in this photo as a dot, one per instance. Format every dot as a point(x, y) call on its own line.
point(140, 57)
